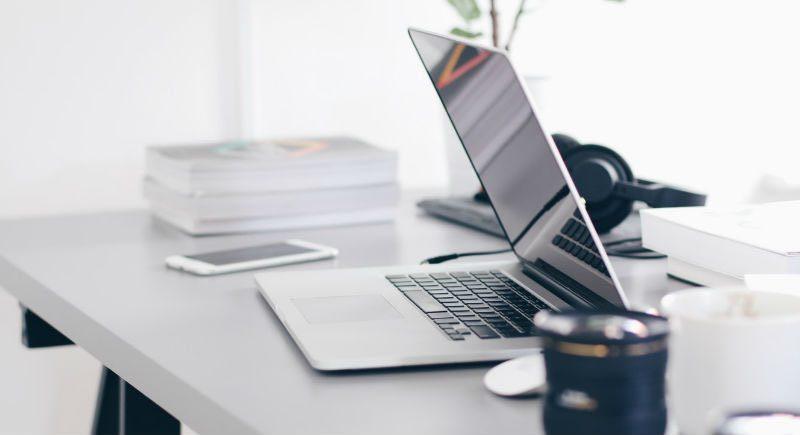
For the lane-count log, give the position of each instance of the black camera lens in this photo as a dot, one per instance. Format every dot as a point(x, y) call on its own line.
point(605, 373)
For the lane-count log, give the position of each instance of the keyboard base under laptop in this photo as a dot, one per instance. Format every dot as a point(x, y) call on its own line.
point(487, 304)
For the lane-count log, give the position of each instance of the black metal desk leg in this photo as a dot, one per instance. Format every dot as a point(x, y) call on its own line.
point(122, 410)
point(106, 411)
point(36, 333)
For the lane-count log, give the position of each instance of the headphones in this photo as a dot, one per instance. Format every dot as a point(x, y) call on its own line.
point(605, 180)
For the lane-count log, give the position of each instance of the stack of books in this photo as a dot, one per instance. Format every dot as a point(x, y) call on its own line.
point(270, 185)
point(719, 246)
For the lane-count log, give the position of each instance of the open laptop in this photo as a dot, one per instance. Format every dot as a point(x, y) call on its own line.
point(413, 315)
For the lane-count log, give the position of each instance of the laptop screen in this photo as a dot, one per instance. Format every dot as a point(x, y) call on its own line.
point(518, 168)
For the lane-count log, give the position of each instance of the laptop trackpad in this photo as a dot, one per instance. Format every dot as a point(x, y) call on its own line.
point(356, 308)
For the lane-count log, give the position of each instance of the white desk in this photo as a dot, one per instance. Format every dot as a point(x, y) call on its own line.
point(210, 351)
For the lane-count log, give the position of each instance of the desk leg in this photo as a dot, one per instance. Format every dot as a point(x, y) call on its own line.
point(37, 333)
point(106, 412)
point(122, 410)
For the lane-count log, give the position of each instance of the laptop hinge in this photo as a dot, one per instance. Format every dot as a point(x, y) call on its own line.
point(580, 298)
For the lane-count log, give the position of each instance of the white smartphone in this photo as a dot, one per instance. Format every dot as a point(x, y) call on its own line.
point(254, 257)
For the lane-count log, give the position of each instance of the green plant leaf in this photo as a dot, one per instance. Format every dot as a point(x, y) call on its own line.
point(467, 9)
point(457, 31)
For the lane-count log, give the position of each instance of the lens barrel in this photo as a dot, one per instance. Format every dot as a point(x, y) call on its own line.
point(605, 373)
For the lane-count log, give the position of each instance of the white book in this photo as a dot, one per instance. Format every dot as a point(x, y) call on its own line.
point(699, 275)
point(733, 241)
point(228, 226)
point(189, 183)
point(278, 164)
point(270, 204)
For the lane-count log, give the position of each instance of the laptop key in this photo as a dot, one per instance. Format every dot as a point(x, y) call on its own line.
point(484, 331)
point(511, 333)
point(500, 324)
point(472, 323)
point(443, 315)
point(445, 298)
point(522, 325)
point(425, 302)
point(454, 308)
point(476, 287)
point(483, 310)
point(450, 321)
point(431, 287)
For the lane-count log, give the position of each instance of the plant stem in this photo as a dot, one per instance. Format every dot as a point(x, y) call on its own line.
point(520, 11)
point(495, 24)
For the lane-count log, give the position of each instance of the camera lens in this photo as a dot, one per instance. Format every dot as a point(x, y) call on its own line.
point(605, 373)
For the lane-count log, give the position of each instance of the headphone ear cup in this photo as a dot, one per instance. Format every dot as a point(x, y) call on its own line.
point(564, 143)
point(596, 169)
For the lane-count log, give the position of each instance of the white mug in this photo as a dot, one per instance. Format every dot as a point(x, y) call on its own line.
point(731, 350)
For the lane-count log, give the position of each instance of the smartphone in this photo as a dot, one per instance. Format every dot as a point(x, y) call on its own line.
point(254, 257)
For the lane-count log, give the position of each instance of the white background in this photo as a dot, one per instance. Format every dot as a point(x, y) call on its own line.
point(700, 93)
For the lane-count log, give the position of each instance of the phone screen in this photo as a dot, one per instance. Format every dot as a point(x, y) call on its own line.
point(221, 258)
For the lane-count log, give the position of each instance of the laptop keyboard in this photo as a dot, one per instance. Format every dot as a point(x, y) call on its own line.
point(485, 304)
point(576, 240)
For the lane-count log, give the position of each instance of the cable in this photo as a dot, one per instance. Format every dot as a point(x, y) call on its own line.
point(634, 252)
point(448, 257)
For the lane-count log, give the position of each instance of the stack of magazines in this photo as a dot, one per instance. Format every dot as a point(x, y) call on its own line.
point(270, 185)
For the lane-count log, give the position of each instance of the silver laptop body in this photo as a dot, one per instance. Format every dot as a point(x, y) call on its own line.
point(345, 319)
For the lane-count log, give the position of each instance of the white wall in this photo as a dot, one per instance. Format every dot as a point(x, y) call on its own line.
point(349, 67)
point(698, 93)
point(701, 94)
point(85, 84)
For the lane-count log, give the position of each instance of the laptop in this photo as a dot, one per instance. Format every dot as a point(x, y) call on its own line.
point(346, 319)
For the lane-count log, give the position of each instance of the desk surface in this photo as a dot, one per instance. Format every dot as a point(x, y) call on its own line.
point(211, 352)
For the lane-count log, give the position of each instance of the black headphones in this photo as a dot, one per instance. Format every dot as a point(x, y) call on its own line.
point(605, 180)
